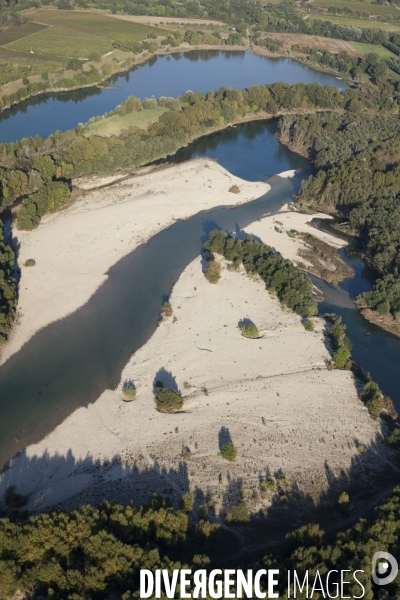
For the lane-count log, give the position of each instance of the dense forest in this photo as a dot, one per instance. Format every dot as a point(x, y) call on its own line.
point(8, 292)
point(358, 177)
point(94, 553)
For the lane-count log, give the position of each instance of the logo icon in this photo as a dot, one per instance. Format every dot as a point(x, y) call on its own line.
point(384, 568)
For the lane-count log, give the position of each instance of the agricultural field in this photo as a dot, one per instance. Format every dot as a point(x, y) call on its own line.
point(364, 49)
point(89, 23)
point(383, 10)
point(57, 41)
point(115, 124)
point(314, 41)
point(15, 33)
point(362, 23)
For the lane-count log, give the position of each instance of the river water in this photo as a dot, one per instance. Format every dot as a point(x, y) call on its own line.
point(170, 75)
point(71, 362)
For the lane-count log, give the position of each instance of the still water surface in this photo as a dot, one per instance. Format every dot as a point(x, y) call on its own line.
point(170, 75)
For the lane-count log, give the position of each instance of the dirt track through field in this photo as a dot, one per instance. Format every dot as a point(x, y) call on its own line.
point(166, 20)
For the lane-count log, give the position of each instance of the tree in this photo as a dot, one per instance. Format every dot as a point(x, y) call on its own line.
point(128, 391)
point(372, 398)
point(186, 503)
point(250, 331)
point(341, 357)
point(213, 271)
point(168, 400)
point(228, 451)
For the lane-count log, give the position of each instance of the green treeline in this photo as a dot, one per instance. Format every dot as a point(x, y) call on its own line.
point(93, 552)
point(31, 163)
point(358, 156)
point(292, 286)
point(8, 294)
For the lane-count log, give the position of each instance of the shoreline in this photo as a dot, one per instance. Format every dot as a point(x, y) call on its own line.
point(108, 442)
point(104, 82)
point(51, 289)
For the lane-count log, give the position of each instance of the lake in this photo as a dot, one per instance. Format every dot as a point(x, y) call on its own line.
point(170, 75)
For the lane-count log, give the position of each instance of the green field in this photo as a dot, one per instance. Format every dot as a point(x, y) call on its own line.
point(16, 33)
point(58, 41)
point(362, 23)
point(98, 25)
point(364, 49)
point(115, 124)
point(382, 10)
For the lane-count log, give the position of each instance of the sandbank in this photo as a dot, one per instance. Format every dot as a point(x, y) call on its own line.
point(274, 397)
point(75, 247)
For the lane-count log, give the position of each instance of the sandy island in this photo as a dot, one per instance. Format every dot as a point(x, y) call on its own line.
point(274, 397)
point(74, 248)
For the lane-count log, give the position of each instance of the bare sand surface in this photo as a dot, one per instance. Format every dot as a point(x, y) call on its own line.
point(74, 248)
point(274, 397)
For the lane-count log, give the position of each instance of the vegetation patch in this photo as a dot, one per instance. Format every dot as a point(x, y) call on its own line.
point(128, 391)
point(96, 24)
point(250, 330)
point(114, 124)
point(58, 41)
point(213, 271)
point(16, 33)
point(228, 451)
point(168, 400)
point(293, 288)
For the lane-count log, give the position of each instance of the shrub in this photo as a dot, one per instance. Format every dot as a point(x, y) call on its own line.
point(228, 451)
point(13, 499)
point(128, 391)
point(166, 309)
point(283, 499)
point(168, 400)
point(344, 502)
point(308, 325)
point(239, 514)
point(372, 398)
point(250, 331)
point(95, 57)
point(186, 503)
point(394, 438)
point(341, 357)
point(234, 189)
point(213, 271)
point(30, 262)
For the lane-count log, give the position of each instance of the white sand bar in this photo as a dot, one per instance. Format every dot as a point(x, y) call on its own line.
point(74, 248)
point(283, 408)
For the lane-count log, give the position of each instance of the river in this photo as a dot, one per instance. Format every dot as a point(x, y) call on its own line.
point(71, 362)
point(170, 75)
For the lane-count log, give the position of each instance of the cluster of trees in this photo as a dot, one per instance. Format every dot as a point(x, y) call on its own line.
point(358, 156)
point(293, 288)
point(341, 344)
point(344, 63)
point(32, 162)
point(8, 294)
point(97, 552)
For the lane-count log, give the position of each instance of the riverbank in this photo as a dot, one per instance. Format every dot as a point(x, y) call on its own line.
point(274, 397)
point(75, 247)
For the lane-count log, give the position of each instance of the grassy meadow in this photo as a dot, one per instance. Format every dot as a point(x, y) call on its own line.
point(365, 49)
point(115, 124)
